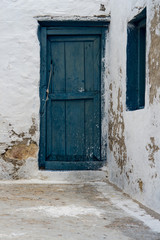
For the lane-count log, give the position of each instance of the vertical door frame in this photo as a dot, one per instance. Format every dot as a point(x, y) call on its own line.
point(57, 28)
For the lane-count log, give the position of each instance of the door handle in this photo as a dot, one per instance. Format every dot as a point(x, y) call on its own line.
point(50, 76)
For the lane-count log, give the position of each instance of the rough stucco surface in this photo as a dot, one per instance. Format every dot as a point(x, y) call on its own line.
point(133, 145)
point(134, 136)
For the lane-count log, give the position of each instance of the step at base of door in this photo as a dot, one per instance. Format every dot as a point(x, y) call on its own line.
point(73, 177)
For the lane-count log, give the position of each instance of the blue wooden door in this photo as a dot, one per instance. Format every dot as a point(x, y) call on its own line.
point(73, 129)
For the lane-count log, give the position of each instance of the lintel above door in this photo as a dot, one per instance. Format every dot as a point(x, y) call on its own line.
point(51, 21)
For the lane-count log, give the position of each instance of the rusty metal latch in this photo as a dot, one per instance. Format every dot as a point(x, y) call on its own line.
point(50, 76)
point(47, 91)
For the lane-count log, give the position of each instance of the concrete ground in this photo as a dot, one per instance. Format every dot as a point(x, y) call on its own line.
point(76, 208)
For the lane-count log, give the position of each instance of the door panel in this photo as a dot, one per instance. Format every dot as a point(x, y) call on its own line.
point(89, 66)
point(57, 56)
point(58, 128)
point(74, 66)
point(75, 128)
point(89, 136)
point(73, 108)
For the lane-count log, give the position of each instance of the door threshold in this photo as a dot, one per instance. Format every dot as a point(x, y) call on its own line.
point(73, 177)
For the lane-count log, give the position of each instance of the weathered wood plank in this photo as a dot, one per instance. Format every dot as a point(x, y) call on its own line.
point(97, 99)
point(87, 165)
point(43, 69)
point(73, 96)
point(74, 66)
point(58, 127)
point(75, 127)
point(58, 59)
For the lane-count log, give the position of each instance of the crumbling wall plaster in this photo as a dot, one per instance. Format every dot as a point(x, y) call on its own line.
point(154, 55)
point(117, 151)
point(140, 175)
point(116, 128)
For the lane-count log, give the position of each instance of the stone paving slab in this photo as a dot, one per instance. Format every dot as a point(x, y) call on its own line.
point(84, 211)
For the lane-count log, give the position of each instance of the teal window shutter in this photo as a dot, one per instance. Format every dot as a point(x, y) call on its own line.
point(136, 58)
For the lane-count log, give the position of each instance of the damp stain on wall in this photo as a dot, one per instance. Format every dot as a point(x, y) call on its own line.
point(116, 131)
point(154, 56)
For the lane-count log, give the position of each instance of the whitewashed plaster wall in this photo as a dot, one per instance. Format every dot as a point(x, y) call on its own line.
point(20, 76)
point(133, 137)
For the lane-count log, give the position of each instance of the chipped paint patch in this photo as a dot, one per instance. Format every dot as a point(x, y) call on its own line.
point(22, 157)
point(116, 131)
point(140, 183)
point(21, 152)
point(19, 161)
point(33, 128)
point(152, 148)
point(154, 56)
